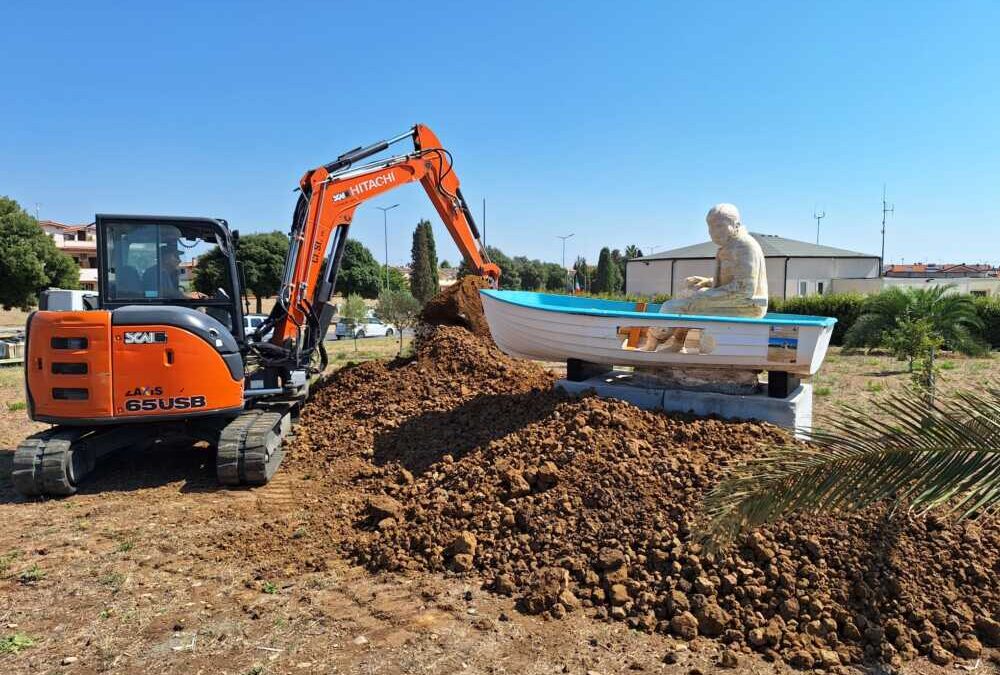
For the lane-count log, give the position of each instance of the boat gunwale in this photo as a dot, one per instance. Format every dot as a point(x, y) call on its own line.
point(509, 297)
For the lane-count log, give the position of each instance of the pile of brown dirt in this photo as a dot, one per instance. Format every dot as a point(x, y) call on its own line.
point(590, 505)
point(465, 461)
point(458, 305)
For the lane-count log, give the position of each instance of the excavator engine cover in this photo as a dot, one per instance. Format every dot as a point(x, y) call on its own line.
point(130, 364)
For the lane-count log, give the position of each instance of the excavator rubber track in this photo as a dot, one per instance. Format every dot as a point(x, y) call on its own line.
point(47, 463)
point(250, 447)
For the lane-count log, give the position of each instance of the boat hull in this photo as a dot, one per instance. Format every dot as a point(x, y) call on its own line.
point(555, 328)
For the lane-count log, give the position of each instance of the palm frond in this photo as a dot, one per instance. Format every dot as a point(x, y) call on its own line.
point(946, 455)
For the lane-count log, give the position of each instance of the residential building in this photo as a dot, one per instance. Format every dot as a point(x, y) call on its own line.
point(794, 268)
point(80, 243)
point(940, 271)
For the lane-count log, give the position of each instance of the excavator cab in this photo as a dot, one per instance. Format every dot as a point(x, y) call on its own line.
point(149, 261)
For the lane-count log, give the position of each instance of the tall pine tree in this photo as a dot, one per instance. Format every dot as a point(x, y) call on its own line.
point(609, 276)
point(423, 264)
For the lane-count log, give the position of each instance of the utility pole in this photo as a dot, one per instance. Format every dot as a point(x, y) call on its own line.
point(818, 216)
point(385, 225)
point(886, 209)
point(564, 238)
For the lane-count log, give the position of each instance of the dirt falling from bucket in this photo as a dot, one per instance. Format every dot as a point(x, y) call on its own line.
point(459, 305)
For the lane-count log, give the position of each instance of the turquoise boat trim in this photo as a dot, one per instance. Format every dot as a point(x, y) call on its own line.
point(576, 304)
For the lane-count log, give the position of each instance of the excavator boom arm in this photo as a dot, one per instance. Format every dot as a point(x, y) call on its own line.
point(330, 196)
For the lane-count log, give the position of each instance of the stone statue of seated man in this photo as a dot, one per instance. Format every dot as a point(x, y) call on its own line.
point(739, 287)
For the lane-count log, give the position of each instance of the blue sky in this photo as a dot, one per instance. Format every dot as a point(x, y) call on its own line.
point(620, 122)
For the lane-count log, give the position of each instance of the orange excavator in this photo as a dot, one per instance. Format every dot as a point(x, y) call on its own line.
point(149, 362)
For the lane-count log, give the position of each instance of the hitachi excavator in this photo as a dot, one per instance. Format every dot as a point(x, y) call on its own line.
point(149, 361)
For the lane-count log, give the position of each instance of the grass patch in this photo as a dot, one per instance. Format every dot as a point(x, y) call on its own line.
point(947, 365)
point(12, 644)
point(112, 580)
point(32, 575)
point(873, 386)
point(126, 545)
point(822, 391)
point(11, 376)
point(15, 406)
point(6, 560)
point(270, 588)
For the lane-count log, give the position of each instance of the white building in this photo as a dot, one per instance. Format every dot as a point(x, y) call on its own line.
point(794, 268)
point(80, 243)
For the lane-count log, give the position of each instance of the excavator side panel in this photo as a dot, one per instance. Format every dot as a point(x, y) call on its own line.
point(68, 365)
point(167, 371)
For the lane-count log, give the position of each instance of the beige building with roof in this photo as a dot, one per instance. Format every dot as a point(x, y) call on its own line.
point(78, 242)
point(794, 268)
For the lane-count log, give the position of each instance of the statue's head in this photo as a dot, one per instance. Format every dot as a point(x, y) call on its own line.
point(723, 223)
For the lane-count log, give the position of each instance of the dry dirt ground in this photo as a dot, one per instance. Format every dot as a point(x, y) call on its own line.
point(123, 578)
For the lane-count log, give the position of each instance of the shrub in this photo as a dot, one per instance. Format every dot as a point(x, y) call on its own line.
point(844, 307)
point(988, 310)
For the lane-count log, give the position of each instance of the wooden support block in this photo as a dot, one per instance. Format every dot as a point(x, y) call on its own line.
point(781, 384)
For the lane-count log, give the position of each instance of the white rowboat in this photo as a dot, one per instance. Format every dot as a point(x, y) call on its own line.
point(559, 327)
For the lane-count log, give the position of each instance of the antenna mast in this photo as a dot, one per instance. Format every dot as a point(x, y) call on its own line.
point(886, 209)
point(818, 216)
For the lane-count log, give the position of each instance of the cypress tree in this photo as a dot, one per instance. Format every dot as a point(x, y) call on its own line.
point(609, 276)
point(423, 263)
point(432, 258)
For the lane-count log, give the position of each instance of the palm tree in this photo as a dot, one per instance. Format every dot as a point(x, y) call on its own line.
point(953, 317)
point(632, 251)
point(944, 454)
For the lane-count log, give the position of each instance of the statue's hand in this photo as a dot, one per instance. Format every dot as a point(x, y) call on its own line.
point(699, 282)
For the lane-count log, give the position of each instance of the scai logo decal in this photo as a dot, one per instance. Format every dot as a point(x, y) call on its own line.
point(145, 337)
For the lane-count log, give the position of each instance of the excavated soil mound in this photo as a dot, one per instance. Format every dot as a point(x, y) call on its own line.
point(458, 305)
point(590, 506)
point(467, 462)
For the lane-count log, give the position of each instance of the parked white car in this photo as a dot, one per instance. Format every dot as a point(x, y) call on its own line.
point(251, 322)
point(370, 327)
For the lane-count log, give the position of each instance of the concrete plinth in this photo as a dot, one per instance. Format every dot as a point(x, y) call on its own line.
point(793, 412)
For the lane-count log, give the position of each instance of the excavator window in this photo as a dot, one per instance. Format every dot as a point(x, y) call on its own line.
point(152, 261)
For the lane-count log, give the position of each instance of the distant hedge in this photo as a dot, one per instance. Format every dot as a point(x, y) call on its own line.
point(844, 307)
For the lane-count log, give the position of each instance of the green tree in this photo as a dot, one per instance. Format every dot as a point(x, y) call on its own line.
point(532, 274)
point(582, 273)
point(445, 265)
point(510, 277)
point(912, 339)
point(556, 278)
point(353, 312)
point(262, 256)
point(608, 278)
point(30, 262)
point(423, 263)
point(399, 309)
point(397, 281)
point(952, 315)
point(359, 272)
point(904, 448)
point(632, 251)
point(619, 260)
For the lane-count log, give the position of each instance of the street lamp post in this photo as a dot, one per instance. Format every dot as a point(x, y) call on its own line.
point(564, 238)
point(385, 225)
